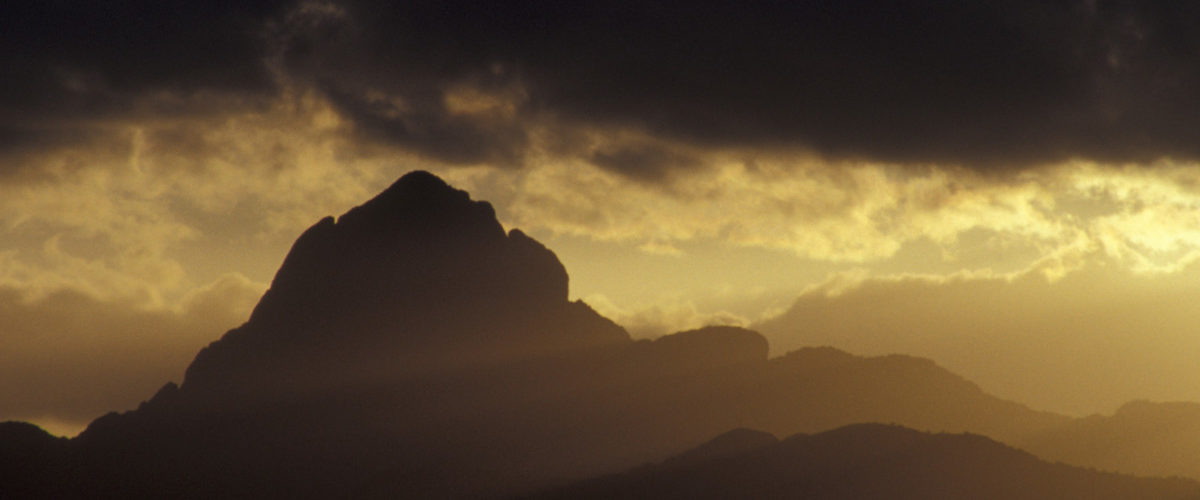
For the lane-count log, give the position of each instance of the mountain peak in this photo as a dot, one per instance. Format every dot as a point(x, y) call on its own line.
point(422, 180)
point(418, 274)
point(418, 190)
point(421, 205)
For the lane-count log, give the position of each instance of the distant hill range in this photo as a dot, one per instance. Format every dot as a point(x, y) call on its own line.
point(1151, 439)
point(412, 348)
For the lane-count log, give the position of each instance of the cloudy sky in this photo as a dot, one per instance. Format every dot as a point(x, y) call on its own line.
point(1010, 188)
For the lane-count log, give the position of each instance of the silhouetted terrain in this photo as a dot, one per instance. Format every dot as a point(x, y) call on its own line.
point(873, 461)
point(411, 348)
point(32, 462)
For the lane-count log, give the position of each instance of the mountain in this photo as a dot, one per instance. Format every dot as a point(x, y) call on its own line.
point(418, 278)
point(871, 461)
point(413, 348)
point(409, 339)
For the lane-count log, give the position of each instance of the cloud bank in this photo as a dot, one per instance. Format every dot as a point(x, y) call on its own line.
point(996, 86)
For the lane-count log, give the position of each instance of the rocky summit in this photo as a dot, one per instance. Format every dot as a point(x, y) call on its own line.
point(417, 278)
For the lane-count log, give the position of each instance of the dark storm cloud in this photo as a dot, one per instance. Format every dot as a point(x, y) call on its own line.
point(643, 161)
point(424, 125)
point(984, 84)
point(390, 71)
point(71, 67)
point(64, 58)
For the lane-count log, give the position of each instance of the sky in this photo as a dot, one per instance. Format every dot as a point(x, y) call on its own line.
point(1010, 188)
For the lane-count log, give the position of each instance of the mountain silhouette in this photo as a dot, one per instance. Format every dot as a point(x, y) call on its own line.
point(872, 461)
point(412, 348)
point(418, 278)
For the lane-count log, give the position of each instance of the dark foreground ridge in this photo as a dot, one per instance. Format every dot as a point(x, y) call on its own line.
point(873, 461)
point(412, 348)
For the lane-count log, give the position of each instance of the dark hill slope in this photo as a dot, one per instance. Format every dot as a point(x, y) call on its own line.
point(32, 462)
point(872, 461)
